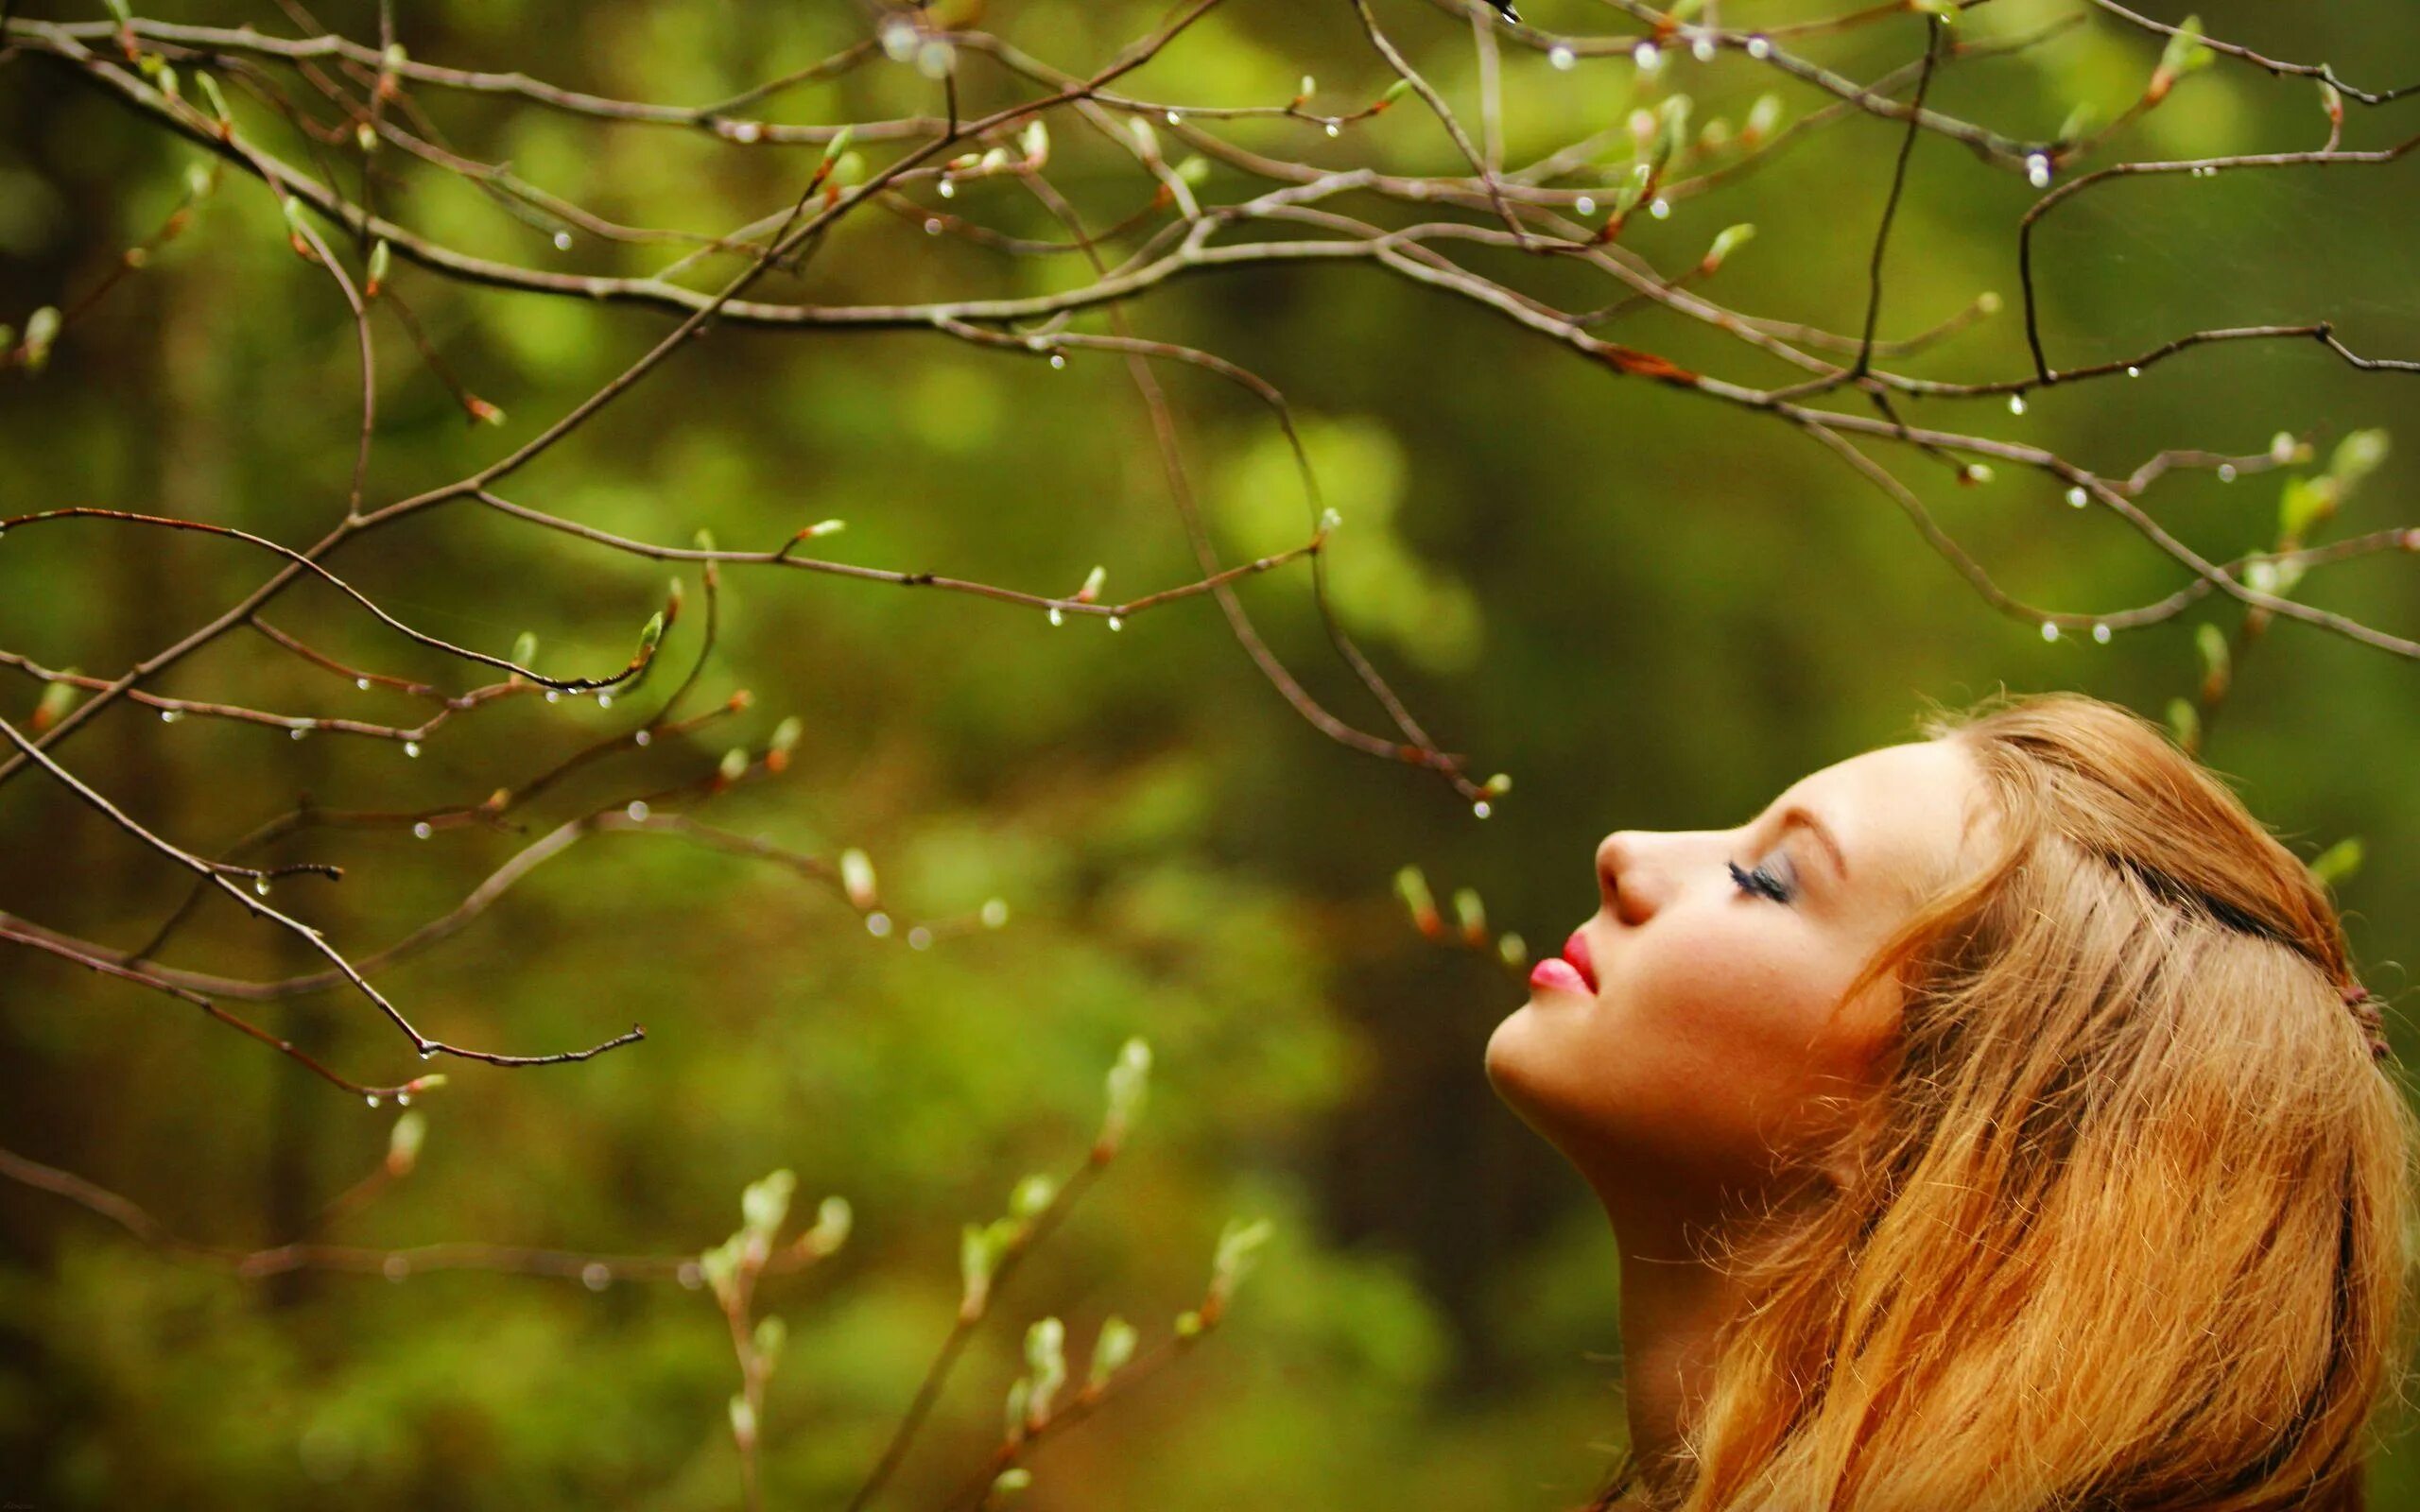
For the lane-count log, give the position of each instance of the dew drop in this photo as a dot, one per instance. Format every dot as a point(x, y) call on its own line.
point(1702, 49)
point(920, 938)
point(260, 886)
point(1059, 359)
point(2133, 371)
point(1482, 809)
point(946, 189)
point(1174, 119)
point(2227, 472)
point(746, 130)
point(604, 700)
point(396, 1267)
point(1116, 623)
point(169, 716)
point(402, 1099)
point(363, 684)
point(878, 924)
point(643, 737)
point(595, 1276)
point(411, 747)
point(297, 733)
point(1562, 57)
point(422, 830)
point(2037, 170)
point(554, 696)
point(2100, 633)
point(2049, 630)
point(932, 228)
point(562, 241)
point(690, 1275)
point(371, 1099)
point(995, 913)
point(1057, 618)
point(1660, 208)
point(1647, 57)
point(428, 1052)
point(2077, 496)
point(2017, 404)
point(1584, 205)
point(1334, 130)
point(1759, 49)
point(639, 809)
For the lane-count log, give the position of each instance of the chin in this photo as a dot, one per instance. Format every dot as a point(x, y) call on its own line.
point(1513, 1057)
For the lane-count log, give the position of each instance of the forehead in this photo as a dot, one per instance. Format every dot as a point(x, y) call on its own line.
point(1905, 815)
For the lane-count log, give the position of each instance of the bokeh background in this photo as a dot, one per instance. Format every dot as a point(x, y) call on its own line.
point(1649, 610)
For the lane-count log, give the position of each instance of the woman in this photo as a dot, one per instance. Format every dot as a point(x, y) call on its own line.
point(1994, 1123)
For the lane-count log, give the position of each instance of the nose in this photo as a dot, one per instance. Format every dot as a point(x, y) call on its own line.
point(1622, 879)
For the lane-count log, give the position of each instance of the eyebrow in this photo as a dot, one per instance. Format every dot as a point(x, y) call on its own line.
point(1799, 816)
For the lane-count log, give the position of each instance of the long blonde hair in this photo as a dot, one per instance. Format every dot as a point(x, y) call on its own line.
point(2127, 1224)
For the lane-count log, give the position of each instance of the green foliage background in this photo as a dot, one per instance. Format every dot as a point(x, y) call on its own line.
point(1654, 611)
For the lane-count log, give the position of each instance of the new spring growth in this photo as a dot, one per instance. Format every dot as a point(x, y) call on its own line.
point(1310, 87)
point(42, 332)
point(1762, 117)
point(980, 1249)
point(857, 878)
point(402, 1143)
point(2338, 862)
point(1513, 950)
point(834, 151)
point(1730, 239)
point(1413, 888)
point(293, 208)
point(1114, 1348)
point(217, 106)
point(1045, 1359)
point(764, 1206)
point(1240, 1246)
point(1130, 1080)
point(785, 737)
point(2218, 668)
point(1012, 1413)
point(1032, 1195)
point(1091, 588)
point(651, 633)
point(1470, 914)
point(770, 1334)
point(2185, 53)
point(381, 258)
point(56, 699)
point(1396, 91)
point(2185, 724)
point(743, 1424)
point(1010, 1481)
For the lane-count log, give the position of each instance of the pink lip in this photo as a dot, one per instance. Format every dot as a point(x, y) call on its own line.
point(1556, 974)
point(1575, 950)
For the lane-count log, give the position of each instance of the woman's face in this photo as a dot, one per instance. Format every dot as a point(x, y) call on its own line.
point(1685, 1043)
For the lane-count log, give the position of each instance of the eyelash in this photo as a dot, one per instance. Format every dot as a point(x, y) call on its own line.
point(1759, 881)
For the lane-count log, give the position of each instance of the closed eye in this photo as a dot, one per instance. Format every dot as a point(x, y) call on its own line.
point(1759, 880)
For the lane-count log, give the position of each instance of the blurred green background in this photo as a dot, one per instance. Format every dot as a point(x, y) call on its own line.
point(1651, 610)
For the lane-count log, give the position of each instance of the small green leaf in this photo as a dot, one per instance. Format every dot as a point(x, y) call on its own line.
point(766, 1203)
point(1111, 1351)
point(2184, 724)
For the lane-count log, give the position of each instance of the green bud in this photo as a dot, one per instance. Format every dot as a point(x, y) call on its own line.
point(856, 877)
point(2357, 455)
point(1194, 171)
point(1032, 1195)
point(733, 765)
point(974, 1263)
point(1470, 913)
point(1240, 1246)
point(1017, 1410)
point(381, 258)
point(402, 1143)
point(651, 634)
point(1188, 1324)
point(2185, 53)
point(720, 1266)
point(1763, 116)
point(834, 1218)
point(848, 168)
point(785, 735)
point(2217, 669)
point(2184, 724)
point(56, 699)
point(2338, 862)
point(771, 1333)
point(1111, 1351)
point(218, 102)
point(524, 648)
point(1730, 239)
point(766, 1203)
point(1514, 951)
point(1397, 91)
point(1045, 1358)
point(1130, 1081)
point(42, 331)
point(743, 1422)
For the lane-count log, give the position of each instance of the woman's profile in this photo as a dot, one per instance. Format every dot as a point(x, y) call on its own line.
point(1996, 1123)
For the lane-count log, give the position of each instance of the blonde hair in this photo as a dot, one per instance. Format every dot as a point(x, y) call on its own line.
point(2126, 1227)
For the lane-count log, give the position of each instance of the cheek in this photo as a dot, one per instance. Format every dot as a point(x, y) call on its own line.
point(1708, 1046)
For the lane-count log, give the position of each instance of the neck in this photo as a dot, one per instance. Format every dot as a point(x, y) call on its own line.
point(1673, 1304)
